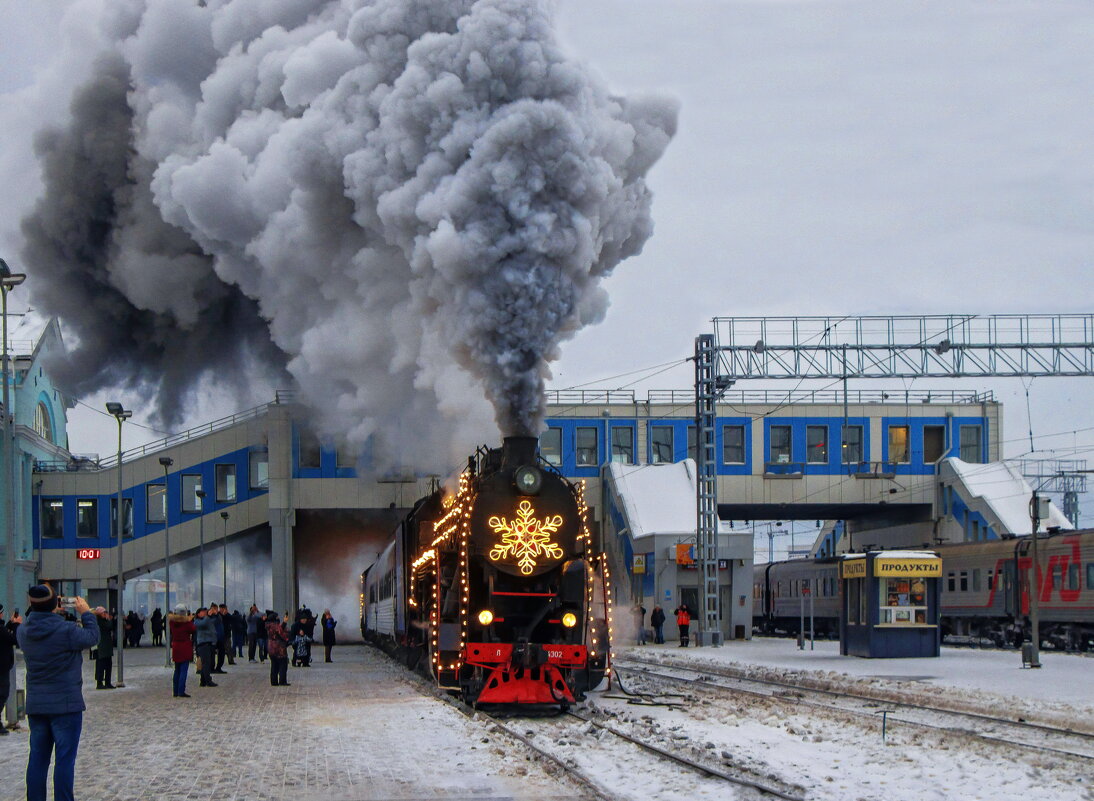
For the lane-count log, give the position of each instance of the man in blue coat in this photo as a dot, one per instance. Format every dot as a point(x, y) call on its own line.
point(52, 649)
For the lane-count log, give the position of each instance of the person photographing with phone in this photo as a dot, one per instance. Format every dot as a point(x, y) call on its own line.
point(52, 649)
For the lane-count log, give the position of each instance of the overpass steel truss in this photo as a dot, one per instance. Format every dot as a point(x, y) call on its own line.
point(910, 346)
point(895, 346)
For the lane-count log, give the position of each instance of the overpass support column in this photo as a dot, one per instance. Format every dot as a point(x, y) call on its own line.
point(283, 561)
point(282, 512)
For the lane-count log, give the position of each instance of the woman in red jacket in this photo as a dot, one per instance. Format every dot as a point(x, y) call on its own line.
point(180, 628)
point(683, 621)
point(277, 641)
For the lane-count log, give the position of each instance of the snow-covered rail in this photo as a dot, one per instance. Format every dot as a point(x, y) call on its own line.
point(1020, 733)
point(574, 741)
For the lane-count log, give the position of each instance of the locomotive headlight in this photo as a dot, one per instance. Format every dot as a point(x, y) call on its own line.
point(486, 617)
point(529, 480)
point(569, 620)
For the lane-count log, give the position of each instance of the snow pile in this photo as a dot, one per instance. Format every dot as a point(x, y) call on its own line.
point(1006, 492)
point(656, 498)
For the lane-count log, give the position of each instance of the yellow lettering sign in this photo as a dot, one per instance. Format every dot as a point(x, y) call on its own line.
point(922, 568)
point(853, 568)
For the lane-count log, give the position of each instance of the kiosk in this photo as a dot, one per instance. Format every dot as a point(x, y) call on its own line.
point(890, 604)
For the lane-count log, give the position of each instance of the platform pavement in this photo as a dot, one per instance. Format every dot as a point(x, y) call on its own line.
point(355, 729)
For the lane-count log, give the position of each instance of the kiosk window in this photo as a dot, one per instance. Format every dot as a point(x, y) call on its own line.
point(853, 589)
point(904, 602)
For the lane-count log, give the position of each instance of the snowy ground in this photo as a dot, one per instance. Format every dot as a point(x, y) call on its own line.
point(1064, 684)
point(362, 728)
point(835, 755)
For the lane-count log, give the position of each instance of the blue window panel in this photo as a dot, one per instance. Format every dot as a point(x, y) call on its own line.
point(916, 464)
point(719, 434)
point(679, 436)
point(834, 465)
point(137, 495)
point(328, 461)
point(569, 426)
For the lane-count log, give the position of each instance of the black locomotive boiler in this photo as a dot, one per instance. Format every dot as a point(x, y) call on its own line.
point(494, 589)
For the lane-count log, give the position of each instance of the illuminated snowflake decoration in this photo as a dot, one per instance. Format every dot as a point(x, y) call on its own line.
point(526, 538)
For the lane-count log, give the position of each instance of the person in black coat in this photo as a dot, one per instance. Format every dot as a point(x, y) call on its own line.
point(157, 627)
point(104, 651)
point(7, 657)
point(657, 620)
point(328, 623)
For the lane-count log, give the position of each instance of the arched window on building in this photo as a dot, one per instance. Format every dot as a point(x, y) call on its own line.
point(43, 425)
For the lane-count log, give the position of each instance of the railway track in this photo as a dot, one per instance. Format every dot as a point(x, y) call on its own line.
point(992, 729)
point(556, 739)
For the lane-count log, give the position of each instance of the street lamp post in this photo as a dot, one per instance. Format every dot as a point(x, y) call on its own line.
point(224, 556)
point(8, 281)
point(121, 415)
point(200, 493)
point(166, 461)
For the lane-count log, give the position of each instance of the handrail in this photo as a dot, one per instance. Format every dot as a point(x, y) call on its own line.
point(184, 436)
point(563, 397)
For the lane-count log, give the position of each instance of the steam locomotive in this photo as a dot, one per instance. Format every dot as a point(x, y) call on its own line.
point(494, 590)
point(985, 591)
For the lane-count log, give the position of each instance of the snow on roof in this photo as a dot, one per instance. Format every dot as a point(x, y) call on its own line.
point(656, 498)
point(909, 555)
point(1002, 486)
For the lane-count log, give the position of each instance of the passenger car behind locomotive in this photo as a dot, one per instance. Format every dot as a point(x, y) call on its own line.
point(985, 591)
point(495, 590)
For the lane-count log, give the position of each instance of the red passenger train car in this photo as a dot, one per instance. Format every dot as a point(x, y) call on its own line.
point(985, 591)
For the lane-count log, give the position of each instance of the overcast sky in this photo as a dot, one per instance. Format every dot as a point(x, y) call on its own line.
point(837, 157)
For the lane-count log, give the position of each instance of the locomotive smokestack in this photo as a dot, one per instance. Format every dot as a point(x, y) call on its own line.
point(516, 451)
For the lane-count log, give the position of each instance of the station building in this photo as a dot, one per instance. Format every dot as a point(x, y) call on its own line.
point(283, 504)
point(39, 432)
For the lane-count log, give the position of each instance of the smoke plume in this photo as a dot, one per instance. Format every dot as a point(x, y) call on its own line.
point(407, 206)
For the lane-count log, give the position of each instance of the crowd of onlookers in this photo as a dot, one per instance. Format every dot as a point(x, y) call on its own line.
point(211, 637)
point(57, 630)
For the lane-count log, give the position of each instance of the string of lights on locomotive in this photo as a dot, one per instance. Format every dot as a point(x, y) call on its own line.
point(494, 590)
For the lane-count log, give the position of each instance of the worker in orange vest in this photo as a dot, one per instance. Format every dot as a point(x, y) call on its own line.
point(683, 620)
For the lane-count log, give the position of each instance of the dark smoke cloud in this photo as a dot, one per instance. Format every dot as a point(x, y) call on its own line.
point(148, 308)
point(408, 205)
